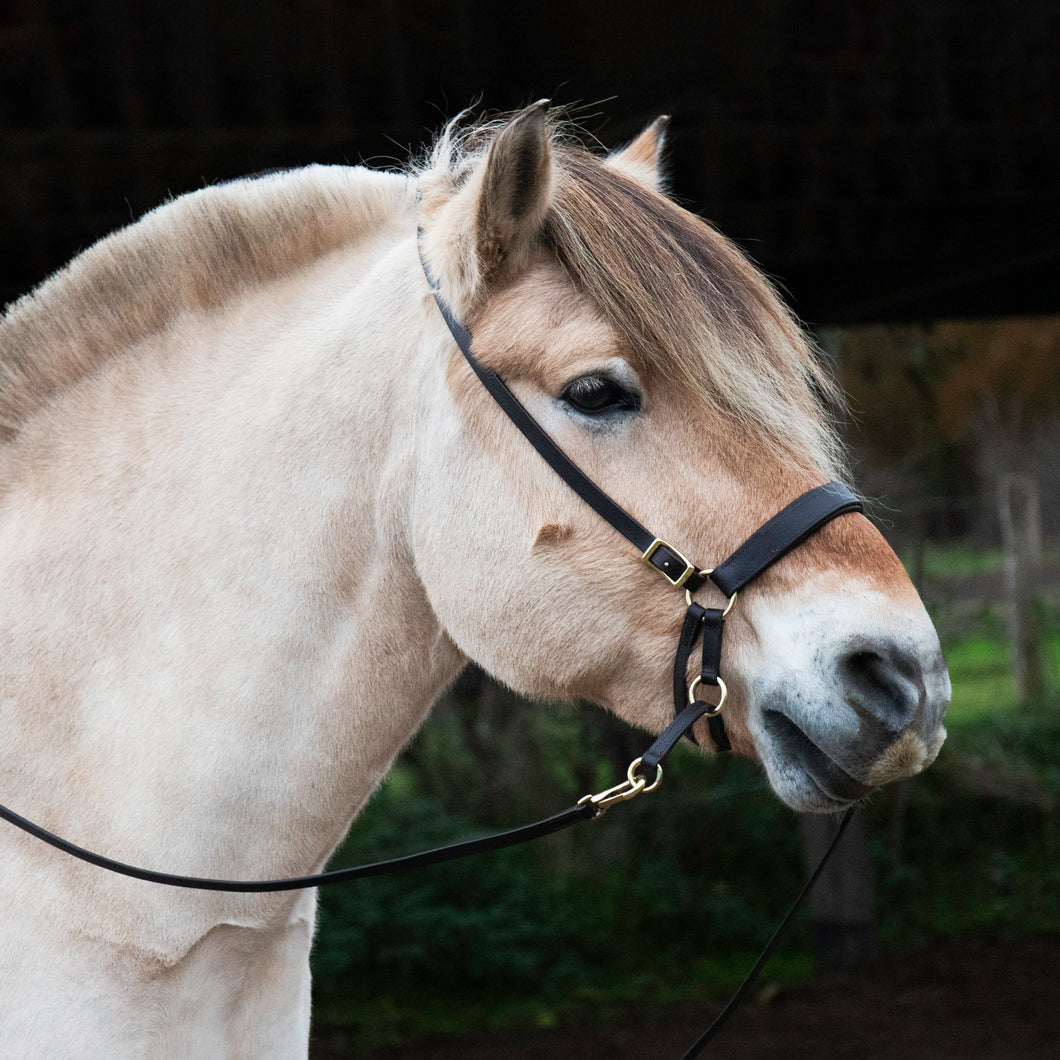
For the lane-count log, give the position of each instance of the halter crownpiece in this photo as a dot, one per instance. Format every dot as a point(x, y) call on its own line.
point(774, 539)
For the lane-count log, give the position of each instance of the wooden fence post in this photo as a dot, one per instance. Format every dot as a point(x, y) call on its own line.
point(841, 905)
point(1021, 537)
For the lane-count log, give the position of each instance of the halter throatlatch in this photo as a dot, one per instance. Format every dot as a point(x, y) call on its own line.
point(774, 539)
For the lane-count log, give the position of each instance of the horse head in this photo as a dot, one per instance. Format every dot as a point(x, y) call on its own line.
point(663, 363)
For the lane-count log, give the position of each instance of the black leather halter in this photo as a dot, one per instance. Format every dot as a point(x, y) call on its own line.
point(787, 529)
point(764, 547)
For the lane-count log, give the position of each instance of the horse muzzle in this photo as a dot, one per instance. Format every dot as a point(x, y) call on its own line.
point(853, 714)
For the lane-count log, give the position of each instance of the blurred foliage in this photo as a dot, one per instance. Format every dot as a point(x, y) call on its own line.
point(949, 560)
point(951, 406)
point(656, 896)
point(982, 835)
point(998, 375)
point(890, 375)
point(670, 896)
point(914, 388)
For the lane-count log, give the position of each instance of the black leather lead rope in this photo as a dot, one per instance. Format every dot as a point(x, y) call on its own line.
point(480, 845)
point(798, 519)
point(774, 539)
point(752, 976)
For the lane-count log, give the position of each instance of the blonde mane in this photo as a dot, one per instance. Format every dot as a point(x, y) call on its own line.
point(696, 311)
point(191, 253)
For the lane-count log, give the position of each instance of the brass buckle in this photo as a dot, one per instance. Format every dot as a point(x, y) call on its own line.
point(690, 568)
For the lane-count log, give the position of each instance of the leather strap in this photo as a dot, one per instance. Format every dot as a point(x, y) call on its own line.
point(718, 733)
point(666, 740)
point(713, 627)
point(710, 624)
point(752, 976)
point(664, 558)
point(481, 845)
point(787, 529)
point(691, 629)
point(710, 671)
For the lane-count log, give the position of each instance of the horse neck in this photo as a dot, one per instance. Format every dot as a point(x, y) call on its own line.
point(220, 522)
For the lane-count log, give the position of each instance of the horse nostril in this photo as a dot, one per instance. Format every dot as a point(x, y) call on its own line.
point(887, 685)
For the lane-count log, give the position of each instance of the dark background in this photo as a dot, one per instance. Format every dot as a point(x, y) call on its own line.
point(882, 160)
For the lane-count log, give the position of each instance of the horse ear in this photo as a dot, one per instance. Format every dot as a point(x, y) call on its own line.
point(642, 159)
point(516, 189)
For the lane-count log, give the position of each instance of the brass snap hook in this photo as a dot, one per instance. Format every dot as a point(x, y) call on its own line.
point(632, 786)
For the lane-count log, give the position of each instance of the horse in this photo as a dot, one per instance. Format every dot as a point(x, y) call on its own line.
point(256, 513)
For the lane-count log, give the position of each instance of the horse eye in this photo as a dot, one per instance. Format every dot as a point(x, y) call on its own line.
point(596, 395)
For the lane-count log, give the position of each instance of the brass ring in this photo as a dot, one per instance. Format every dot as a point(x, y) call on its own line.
point(696, 682)
point(728, 607)
point(633, 779)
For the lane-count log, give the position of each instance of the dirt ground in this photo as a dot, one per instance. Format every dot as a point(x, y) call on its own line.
point(965, 1001)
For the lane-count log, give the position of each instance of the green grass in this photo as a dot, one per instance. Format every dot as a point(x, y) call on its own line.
point(953, 561)
point(977, 650)
point(960, 561)
point(982, 847)
point(981, 672)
